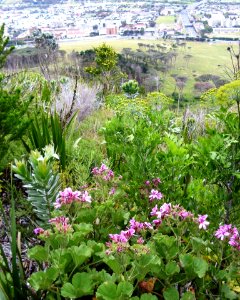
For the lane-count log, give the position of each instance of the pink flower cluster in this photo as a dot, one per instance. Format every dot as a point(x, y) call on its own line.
point(155, 182)
point(155, 195)
point(230, 233)
point(121, 240)
point(38, 231)
point(68, 196)
point(104, 172)
point(61, 224)
point(176, 211)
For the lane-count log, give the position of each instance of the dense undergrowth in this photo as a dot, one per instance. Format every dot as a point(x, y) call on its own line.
point(134, 201)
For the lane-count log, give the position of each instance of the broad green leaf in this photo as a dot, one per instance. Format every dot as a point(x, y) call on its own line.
point(200, 266)
point(188, 296)
point(166, 246)
point(114, 264)
point(81, 286)
point(107, 291)
point(148, 297)
point(83, 283)
point(83, 228)
point(43, 280)
point(171, 294)
point(171, 268)
point(125, 288)
point(38, 253)
point(69, 291)
point(228, 294)
point(80, 254)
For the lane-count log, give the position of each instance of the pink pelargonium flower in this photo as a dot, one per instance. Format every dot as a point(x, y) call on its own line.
point(67, 197)
point(156, 181)
point(154, 210)
point(203, 224)
point(137, 226)
point(155, 194)
point(112, 191)
point(223, 231)
point(164, 210)
point(103, 168)
point(157, 222)
point(140, 240)
point(61, 224)
point(85, 197)
point(38, 231)
point(183, 214)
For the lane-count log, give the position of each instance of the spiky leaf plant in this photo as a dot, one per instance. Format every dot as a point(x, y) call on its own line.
point(41, 181)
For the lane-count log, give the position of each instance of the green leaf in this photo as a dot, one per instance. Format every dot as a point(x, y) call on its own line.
point(107, 291)
point(166, 246)
point(43, 280)
point(38, 253)
point(171, 268)
point(113, 264)
point(69, 291)
point(83, 228)
point(171, 294)
point(147, 263)
point(200, 266)
point(80, 254)
point(188, 296)
point(148, 297)
point(228, 294)
point(110, 291)
point(125, 288)
point(82, 285)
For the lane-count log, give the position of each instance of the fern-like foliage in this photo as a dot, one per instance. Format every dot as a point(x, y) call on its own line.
point(41, 181)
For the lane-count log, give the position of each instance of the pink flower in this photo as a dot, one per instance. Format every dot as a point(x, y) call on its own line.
point(140, 240)
point(155, 194)
point(109, 175)
point(108, 252)
point(103, 168)
point(164, 210)
point(86, 197)
point(112, 191)
point(128, 233)
point(61, 224)
point(38, 231)
point(157, 222)
point(230, 233)
point(202, 221)
point(147, 225)
point(156, 181)
point(147, 182)
point(154, 210)
point(104, 172)
point(137, 226)
point(67, 197)
point(184, 214)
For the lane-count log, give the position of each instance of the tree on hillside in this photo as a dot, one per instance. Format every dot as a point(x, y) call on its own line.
point(235, 60)
point(180, 82)
point(48, 51)
point(105, 69)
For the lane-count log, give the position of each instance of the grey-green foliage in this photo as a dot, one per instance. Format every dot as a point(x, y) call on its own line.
point(41, 181)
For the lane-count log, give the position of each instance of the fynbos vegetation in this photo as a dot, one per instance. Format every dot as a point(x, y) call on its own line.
point(112, 190)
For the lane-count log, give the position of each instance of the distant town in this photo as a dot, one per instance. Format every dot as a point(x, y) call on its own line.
point(158, 19)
